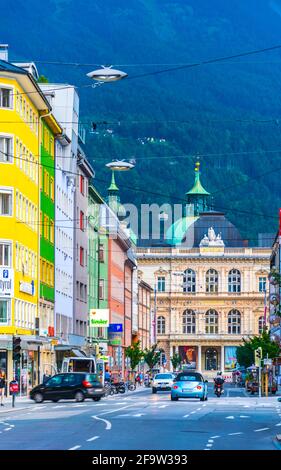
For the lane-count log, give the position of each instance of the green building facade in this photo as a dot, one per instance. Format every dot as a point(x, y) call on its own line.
point(49, 130)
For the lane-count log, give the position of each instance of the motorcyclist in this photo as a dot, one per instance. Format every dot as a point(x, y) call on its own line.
point(218, 380)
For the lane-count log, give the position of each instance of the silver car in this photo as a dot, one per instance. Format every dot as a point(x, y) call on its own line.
point(162, 381)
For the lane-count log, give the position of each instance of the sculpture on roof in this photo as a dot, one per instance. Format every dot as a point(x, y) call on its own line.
point(212, 239)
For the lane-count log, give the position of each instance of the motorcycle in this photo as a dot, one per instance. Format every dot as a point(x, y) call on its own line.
point(118, 387)
point(218, 390)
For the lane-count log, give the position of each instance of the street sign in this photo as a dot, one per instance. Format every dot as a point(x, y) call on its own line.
point(115, 328)
point(267, 362)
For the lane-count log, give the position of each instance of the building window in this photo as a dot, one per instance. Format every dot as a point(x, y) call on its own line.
point(52, 231)
point(234, 281)
point(212, 281)
point(5, 202)
point(189, 281)
point(82, 184)
point(161, 325)
point(81, 220)
point(5, 254)
point(52, 188)
point(101, 253)
point(188, 322)
point(82, 261)
point(6, 149)
point(4, 311)
point(101, 289)
point(212, 321)
point(262, 325)
point(6, 98)
point(161, 284)
point(46, 227)
point(234, 322)
point(262, 284)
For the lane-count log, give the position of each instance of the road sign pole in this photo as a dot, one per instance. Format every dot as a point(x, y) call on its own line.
point(260, 379)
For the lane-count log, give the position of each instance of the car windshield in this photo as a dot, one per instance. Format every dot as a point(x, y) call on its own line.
point(189, 378)
point(163, 376)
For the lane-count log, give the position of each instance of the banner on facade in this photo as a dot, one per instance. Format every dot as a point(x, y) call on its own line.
point(6, 282)
point(115, 339)
point(188, 356)
point(230, 358)
point(99, 317)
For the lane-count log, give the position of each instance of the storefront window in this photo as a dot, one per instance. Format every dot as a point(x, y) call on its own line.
point(4, 311)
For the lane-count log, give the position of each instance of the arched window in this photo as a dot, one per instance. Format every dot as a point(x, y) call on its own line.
point(161, 325)
point(212, 281)
point(212, 321)
point(261, 324)
point(234, 322)
point(234, 281)
point(188, 322)
point(189, 281)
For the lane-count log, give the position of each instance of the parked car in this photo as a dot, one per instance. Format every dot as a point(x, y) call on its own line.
point(71, 385)
point(163, 381)
point(189, 385)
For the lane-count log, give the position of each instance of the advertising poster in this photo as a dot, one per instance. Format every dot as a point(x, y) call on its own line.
point(188, 356)
point(230, 357)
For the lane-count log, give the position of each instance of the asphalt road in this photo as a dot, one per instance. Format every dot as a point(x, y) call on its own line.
point(140, 420)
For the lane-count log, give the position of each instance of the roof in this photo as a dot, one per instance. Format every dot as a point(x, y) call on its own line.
point(197, 187)
point(8, 67)
point(113, 186)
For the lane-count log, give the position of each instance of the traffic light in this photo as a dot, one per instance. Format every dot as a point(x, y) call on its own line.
point(16, 348)
point(258, 356)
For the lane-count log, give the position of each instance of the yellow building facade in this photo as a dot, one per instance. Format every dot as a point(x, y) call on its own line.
point(21, 105)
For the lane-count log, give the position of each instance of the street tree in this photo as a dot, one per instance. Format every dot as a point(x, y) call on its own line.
point(176, 361)
point(135, 354)
point(245, 352)
point(152, 356)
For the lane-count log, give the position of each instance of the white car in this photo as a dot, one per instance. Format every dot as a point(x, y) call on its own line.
point(162, 381)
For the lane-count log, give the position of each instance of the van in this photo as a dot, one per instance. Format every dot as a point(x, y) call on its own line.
point(79, 364)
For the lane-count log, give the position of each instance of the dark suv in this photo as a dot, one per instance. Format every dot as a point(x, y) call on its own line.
point(77, 385)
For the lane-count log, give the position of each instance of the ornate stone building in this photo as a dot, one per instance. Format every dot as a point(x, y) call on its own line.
point(208, 296)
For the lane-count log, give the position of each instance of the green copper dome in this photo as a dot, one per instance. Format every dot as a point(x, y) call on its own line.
point(175, 234)
point(197, 187)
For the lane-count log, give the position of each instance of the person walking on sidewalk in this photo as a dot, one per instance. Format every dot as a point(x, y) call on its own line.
point(2, 386)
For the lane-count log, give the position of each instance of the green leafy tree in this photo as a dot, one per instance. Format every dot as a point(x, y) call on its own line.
point(135, 354)
point(176, 361)
point(43, 79)
point(152, 356)
point(245, 352)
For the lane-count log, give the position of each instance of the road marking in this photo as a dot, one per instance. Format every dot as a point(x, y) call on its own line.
point(204, 405)
point(93, 438)
point(163, 406)
point(246, 406)
point(210, 440)
point(108, 423)
point(192, 412)
point(138, 415)
point(74, 448)
point(214, 437)
point(279, 424)
point(243, 416)
point(234, 433)
point(186, 416)
point(229, 417)
point(59, 406)
point(198, 409)
point(7, 429)
point(79, 405)
point(262, 429)
point(209, 445)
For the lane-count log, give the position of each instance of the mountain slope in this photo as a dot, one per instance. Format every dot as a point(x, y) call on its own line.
point(195, 110)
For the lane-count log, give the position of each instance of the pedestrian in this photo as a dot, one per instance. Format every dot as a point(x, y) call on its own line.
point(2, 386)
point(141, 378)
point(46, 376)
point(107, 376)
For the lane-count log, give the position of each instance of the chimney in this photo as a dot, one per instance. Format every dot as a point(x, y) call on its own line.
point(4, 52)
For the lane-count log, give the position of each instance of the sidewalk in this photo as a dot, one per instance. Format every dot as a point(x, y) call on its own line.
point(21, 403)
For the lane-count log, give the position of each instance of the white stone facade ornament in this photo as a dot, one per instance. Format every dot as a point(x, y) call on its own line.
point(212, 239)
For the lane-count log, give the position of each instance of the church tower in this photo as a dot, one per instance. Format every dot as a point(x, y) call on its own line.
point(198, 196)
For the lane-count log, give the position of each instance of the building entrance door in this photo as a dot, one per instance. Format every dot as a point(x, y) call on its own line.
point(211, 359)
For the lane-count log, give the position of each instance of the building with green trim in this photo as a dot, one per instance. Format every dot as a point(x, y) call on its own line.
point(49, 130)
point(97, 267)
